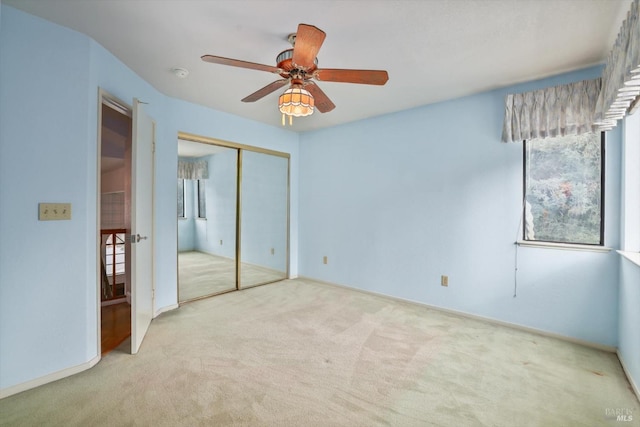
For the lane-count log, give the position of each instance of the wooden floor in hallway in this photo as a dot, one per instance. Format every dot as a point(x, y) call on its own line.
point(116, 325)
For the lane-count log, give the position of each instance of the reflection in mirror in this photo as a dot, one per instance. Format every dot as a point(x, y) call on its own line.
point(263, 218)
point(207, 187)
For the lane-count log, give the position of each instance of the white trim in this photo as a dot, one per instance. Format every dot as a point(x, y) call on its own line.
point(165, 309)
point(634, 257)
point(634, 386)
point(55, 376)
point(590, 344)
point(630, 186)
point(564, 246)
point(153, 218)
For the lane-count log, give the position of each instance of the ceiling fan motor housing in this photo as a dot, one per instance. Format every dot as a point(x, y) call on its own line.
point(285, 63)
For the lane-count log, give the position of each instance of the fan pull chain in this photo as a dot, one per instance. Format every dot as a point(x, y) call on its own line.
point(290, 120)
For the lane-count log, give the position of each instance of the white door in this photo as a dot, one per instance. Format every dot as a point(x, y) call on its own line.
point(141, 225)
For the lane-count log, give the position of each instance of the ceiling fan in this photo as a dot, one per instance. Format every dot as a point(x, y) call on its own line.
point(298, 67)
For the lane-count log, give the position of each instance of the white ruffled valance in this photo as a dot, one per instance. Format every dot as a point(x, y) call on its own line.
point(555, 111)
point(198, 169)
point(621, 75)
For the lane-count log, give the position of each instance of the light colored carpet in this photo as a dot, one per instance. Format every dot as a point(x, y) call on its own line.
point(300, 353)
point(201, 274)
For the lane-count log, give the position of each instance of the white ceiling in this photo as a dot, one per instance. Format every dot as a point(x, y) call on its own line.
point(433, 49)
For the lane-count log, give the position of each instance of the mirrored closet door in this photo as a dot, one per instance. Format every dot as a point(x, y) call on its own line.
point(233, 221)
point(207, 186)
point(263, 218)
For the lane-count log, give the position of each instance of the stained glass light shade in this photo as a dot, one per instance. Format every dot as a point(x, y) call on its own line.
point(297, 102)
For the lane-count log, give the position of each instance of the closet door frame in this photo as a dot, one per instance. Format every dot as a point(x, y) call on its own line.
point(241, 148)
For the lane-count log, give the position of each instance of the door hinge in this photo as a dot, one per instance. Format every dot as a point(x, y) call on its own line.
point(153, 147)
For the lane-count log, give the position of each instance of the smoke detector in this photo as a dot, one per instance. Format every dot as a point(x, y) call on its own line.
point(180, 72)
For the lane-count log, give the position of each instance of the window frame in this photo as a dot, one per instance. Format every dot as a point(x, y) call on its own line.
point(184, 194)
point(602, 200)
point(201, 205)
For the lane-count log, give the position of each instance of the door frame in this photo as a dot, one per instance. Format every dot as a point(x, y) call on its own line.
point(104, 97)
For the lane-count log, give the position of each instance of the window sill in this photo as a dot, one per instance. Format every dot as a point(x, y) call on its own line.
point(562, 246)
point(634, 257)
point(182, 218)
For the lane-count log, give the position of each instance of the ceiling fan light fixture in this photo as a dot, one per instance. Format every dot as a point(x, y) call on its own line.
point(297, 102)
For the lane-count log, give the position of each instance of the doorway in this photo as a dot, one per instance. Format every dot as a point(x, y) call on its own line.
point(233, 216)
point(115, 224)
point(138, 152)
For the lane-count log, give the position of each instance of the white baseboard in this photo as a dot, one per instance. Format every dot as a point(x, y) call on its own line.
point(634, 386)
point(165, 309)
point(55, 376)
point(590, 344)
point(67, 372)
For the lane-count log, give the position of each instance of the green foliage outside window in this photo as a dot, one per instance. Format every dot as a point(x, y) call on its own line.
point(563, 189)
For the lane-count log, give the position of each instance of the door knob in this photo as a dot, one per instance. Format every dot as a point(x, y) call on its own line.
point(139, 237)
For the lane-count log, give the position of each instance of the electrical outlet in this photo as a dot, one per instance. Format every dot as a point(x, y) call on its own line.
point(444, 280)
point(325, 260)
point(54, 211)
point(220, 242)
point(273, 251)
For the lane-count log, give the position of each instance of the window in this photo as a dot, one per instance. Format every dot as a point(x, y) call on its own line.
point(564, 189)
point(181, 213)
point(202, 213)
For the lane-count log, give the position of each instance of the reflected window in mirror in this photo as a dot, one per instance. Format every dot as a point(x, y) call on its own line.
point(181, 213)
point(202, 211)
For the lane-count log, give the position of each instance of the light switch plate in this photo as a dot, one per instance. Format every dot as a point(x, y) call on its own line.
point(54, 211)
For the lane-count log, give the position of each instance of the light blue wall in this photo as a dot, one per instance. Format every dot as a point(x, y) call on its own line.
point(396, 201)
point(220, 198)
point(629, 319)
point(45, 143)
point(264, 210)
point(49, 79)
point(629, 296)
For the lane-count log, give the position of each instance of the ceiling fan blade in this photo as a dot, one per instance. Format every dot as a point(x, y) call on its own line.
point(366, 77)
point(307, 44)
point(261, 93)
point(322, 101)
point(242, 64)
